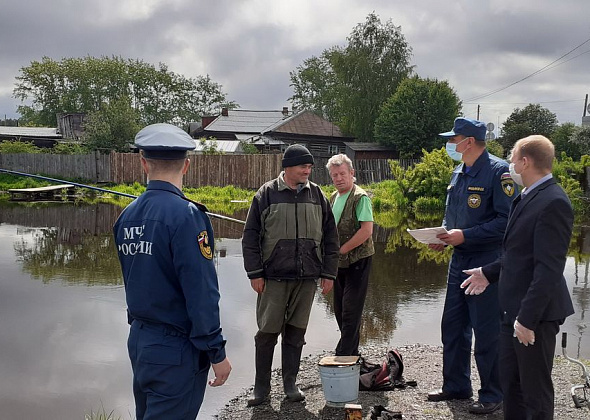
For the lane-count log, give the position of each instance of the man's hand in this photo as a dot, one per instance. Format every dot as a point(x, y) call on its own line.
point(257, 285)
point(523, 334)
point(222, 370)
point(326, 285)
point(454, 237)
point(476, 283)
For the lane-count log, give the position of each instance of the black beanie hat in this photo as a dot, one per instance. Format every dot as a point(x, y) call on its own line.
point(296, 154)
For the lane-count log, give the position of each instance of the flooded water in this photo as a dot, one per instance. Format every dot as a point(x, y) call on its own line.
point(64, 330)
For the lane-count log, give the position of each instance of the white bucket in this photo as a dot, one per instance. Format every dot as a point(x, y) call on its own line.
point(340, 384)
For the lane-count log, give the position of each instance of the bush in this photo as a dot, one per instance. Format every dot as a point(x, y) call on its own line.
point(427, 204)
point(68, 149)
point(431, 176)
point(19, 147)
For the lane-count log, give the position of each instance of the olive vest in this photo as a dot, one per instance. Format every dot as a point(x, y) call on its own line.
point(349, 225)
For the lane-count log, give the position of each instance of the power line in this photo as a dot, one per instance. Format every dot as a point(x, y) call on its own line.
point(542, 69)
point(566, 61)
point(520, 103)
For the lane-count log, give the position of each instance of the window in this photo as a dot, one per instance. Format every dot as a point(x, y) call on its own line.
point(333, 149)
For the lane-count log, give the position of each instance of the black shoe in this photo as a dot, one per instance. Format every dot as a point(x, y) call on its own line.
point(257, 400)
point(484, 408)
point(440, 395)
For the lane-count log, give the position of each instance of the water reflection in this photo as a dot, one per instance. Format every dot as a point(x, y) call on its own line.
point(63, 307)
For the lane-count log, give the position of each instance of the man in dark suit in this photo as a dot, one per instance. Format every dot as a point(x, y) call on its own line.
point(533, 294)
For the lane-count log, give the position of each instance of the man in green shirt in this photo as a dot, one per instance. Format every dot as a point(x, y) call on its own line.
point(353, 213)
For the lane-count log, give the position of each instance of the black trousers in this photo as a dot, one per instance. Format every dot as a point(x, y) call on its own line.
point(525, 373)
point(350, 291)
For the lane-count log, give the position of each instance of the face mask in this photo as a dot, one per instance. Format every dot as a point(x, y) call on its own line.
point(452, 150)
point(515, 177)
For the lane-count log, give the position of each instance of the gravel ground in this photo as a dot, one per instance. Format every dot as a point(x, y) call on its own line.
point(422, 363)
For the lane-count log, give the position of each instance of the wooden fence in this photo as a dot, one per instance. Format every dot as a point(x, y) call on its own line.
point(244, 171)
point(94, 166)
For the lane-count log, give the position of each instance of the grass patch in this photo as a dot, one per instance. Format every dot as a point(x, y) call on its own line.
point(102, 415)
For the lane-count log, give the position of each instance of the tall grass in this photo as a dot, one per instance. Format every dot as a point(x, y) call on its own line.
point(102, 415)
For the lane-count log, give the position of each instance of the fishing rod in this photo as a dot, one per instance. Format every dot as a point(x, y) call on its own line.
point(61, 181)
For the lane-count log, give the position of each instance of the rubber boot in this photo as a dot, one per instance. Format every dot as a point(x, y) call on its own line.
point(291, 347)
point(265, 346)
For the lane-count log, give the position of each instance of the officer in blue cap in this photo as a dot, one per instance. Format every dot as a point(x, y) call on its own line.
point(165, 246)
point(478, 201)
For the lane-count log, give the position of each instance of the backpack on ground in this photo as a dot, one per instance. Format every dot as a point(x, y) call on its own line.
point(384, 376)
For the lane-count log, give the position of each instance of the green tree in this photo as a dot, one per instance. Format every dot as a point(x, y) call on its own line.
point(248, 148)
point(495, 148)
point(209, 146)
point(348, 85)
point(315, 86)
point(112, 127)
point(581, 138)
point(562, 140)
point(532, 119)
point(48, 87)
point(9, 122)
point(415, 114)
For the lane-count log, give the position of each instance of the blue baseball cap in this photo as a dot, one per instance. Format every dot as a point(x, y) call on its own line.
point(164, 141)
point(468, 128)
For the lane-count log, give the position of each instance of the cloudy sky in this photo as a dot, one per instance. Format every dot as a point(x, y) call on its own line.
point(250, 46)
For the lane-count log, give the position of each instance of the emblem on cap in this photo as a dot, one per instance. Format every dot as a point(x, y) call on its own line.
point(203, 240)
point(474, 201)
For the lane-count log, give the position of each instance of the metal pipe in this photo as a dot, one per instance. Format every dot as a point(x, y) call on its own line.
point(61, 181)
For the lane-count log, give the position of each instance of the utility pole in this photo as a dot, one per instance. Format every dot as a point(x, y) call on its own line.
point(586, 119)
point(477, 112)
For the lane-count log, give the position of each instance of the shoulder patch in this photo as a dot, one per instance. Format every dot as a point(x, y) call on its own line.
point(505, 175)
point(507, 185)
point(203, 240)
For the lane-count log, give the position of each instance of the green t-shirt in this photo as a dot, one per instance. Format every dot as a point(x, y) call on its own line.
point(364, 210)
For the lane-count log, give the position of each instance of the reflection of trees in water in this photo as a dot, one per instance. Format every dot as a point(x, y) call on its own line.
point(579, 250)
point(405, 271)
point(396, 278)
point(398, 222)
point(72, 256)
point(79, 248)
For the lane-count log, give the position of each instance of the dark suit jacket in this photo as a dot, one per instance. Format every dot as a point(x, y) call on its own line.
point(530, 271)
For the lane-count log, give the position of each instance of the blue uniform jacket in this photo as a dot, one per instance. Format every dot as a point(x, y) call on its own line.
point(165, 246)
point(478, 202)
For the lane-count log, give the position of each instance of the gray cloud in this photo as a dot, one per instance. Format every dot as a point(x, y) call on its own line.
point(251, 46)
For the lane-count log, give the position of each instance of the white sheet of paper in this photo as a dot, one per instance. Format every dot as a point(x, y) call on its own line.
point(428, 235)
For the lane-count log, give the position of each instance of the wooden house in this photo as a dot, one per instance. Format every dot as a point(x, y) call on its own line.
point(274, 131)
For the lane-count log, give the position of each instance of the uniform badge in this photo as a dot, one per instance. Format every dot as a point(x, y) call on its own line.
point(204, 246)
point(507, 184)
point(474, 201)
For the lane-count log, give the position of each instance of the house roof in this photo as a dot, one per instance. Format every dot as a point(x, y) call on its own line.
point(304, 122)
point(244, 121)
point(368, 147)
point(224, 146)
point(308, 123)
point(30, 132)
